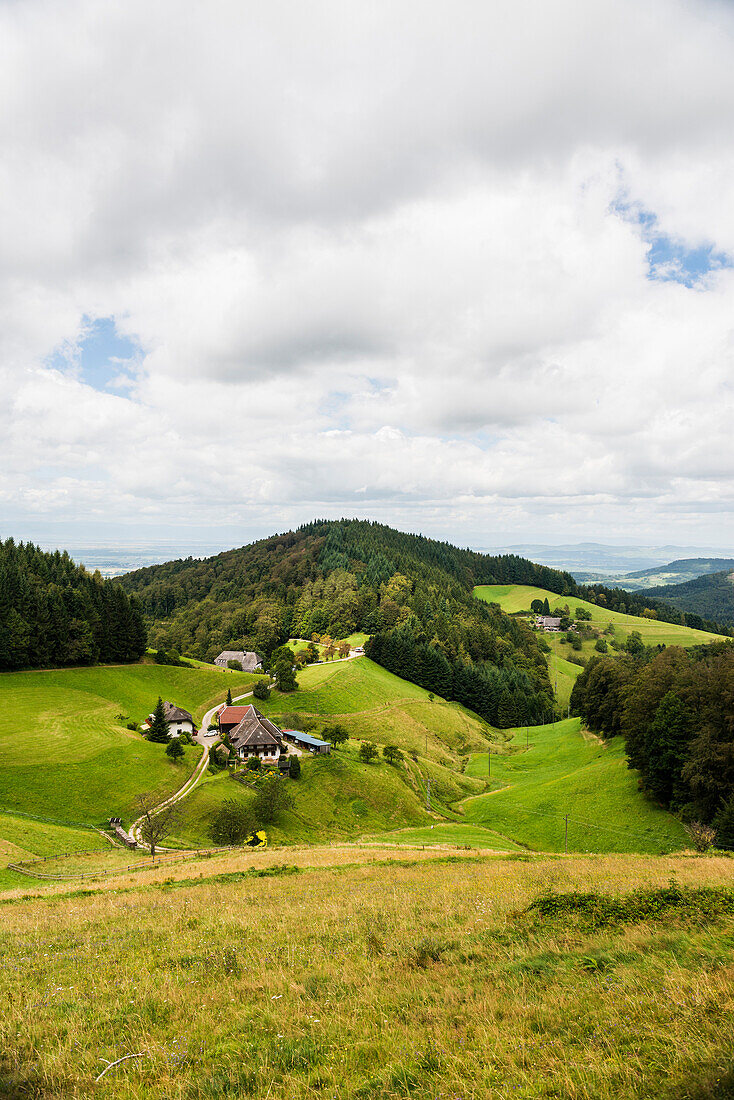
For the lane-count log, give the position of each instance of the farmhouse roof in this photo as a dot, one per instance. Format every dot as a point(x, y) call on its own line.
point(254, 729)
point(175, 714)
point(230, 716)
point(247, 658)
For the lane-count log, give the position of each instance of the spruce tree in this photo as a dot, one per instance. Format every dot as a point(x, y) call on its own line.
point(158, 731)
point(724, 825)
point(229, 698)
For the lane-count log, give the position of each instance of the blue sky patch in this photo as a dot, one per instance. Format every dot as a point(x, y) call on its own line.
point(101, 357)
point(671, 259)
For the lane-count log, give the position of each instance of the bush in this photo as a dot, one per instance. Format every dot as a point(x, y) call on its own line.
point(175, 749)
point(133, 726)
point(261, 690)
point(295, 768)
point(235, 665)
point(232, 823)
point(254, 763)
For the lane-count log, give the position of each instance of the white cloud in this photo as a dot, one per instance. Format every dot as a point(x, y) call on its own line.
point(374, 261)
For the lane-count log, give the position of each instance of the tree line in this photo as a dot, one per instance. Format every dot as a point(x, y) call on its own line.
point(53, 613)
point(675, 710)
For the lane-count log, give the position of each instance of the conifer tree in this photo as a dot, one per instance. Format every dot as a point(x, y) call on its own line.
point(158, 731)
point(229, 698)
point(724, 825)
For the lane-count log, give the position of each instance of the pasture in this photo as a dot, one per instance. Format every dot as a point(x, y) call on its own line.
point(65, 751)
point(566, 771)
point(514, 598)
point(362, 976)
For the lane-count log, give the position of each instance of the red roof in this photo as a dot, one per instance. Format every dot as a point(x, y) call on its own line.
point(230, 716)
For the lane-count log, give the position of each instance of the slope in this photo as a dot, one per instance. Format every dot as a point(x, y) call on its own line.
point(564, 772)
point(673, 573)
point(65, 751)
point(517, 598)
point(711, 597)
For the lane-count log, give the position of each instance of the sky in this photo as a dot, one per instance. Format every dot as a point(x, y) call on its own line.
point(463, 267)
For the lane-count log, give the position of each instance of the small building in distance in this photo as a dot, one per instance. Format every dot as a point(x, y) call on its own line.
point(248, 661)
point(548, 622)
point(306, 741)
point(179, 720)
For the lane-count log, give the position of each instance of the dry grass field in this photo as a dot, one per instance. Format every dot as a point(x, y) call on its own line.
point(349, 973)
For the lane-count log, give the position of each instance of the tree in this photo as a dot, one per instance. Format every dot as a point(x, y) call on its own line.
point(536, 606)
point(313, 653)
point(260, 690)
point(634, 643)
point(294, 768)
point(337, 735)
point(175, 749)
point(330, 651)
point(392, 754)
point(254, 763)
point(156, 824)
point(273, 799)
point(235, 665)
point(229, 698)
point(368, 752)
point(724, 825)
point(431, 696)
point(285, 677)
point(232, 823)
point(601, 646)
point(546, 606)
point(158, 731)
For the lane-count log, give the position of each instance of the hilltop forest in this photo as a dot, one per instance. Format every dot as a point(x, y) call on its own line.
point(54, 613)
point(413, 594)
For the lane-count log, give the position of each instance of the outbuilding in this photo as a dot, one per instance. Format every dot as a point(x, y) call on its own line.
point(306, 741)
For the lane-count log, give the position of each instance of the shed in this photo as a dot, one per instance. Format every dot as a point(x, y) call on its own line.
point(306, 741)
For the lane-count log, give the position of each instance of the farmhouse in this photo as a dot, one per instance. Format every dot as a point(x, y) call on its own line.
point(248, 660)
point(253, 734)
point(548, 622)
point(306, 741)
point(179, 720)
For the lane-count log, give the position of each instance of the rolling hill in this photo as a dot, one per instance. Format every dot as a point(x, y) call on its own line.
point(675, 572)
point(710, 596)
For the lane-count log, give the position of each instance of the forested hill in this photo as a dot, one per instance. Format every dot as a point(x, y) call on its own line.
point(711, 596)
point(336, 577)
point(54, 613)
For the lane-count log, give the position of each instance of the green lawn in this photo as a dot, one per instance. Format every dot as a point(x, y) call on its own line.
point(564, 772)
point(354, 640)
point(65, 752)
point(563, 675)
point(518, 597)
point(452, 833)
point(22, 838)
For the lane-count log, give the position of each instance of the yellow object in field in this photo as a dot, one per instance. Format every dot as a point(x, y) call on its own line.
point(257, 840)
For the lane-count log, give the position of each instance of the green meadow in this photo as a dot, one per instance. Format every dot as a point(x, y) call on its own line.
point(564, 771)
point(514, 598)
point(65, 751)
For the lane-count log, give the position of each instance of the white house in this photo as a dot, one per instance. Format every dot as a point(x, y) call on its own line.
point(179, 721)
point(248, 660)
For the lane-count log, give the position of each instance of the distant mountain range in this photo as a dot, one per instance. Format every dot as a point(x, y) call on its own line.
point(675, 573)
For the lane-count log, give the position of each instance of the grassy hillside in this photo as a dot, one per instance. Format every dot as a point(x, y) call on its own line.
point(565, 771)
point(359, 976)
point(64, 750)
point(338, 797)
point(513, 598)
point(373, 704)
point(22, 838)
point(675, 572)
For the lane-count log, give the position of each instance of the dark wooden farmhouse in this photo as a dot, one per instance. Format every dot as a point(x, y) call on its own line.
point(250, 733)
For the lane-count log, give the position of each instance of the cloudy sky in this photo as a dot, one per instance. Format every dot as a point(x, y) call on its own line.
point(464, 267)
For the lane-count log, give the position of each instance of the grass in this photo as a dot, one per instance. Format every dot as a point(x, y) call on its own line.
point(564, 772)
point(366, 978)
point(451, 834)
point(65, 752)
point(354, 640)
point(373, 704)
point(514, 598)
point(22, 838)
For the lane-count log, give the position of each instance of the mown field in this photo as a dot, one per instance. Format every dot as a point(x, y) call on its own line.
point(565, 771)
point(65, 752)
point(22, 838)
point(513, 598)
point(351, 976)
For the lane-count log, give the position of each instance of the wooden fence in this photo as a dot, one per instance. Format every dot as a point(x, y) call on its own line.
point(28, 868)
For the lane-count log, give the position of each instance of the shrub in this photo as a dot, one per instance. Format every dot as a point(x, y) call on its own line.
point(261, 690)
point(368, 752)
point(254, 763)
point(295, 768)
point(232, 823)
